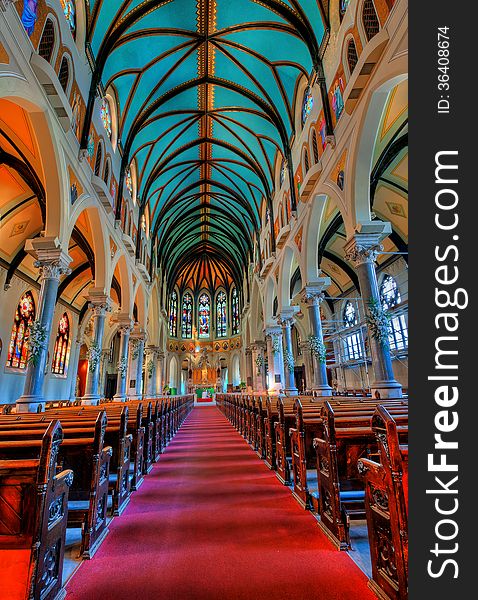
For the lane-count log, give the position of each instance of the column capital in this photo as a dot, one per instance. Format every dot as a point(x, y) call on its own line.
point(100, 303)
point(258, 345)
point(49, 257)
point(124, 321)
point(365, 244)
point(272, 330)
point(313, 292)
point(139, 334)
point(286, 316)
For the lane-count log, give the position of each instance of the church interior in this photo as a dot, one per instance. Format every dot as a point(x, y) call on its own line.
point(204, 299)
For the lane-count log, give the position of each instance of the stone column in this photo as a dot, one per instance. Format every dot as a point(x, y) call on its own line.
point(161, 371)
point(101, 305)
point(362, 250)
point(151, 372)
point(275, 359)
point(125, 330)
point(249, 367)
point(52, 262)
point(258, 372)
point(74, 363)
point(308, 364)
point(312, 296)
point(139, 338)
point(286, 321)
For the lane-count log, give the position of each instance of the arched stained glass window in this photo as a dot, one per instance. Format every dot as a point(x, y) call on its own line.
point(352, 57)
point(173, 314)
point(61, 351)
point(221, 315)
point(337, 99)
point(235, 311)
point(99, 158)
point(344, 4)
point(315, 147)
point(307, 104)
point(106, 116)
point(306, 161)
point(204, 315)
point(47, 41)
point(64, 73)
point(69, 10)
point(390, 298)
point(129, 181)
point(18, 348)
point(283, 169)
point(187, 316)
point(29, 15)
point(352, 343)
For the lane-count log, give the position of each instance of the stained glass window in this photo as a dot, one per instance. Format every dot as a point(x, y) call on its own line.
point(343, 6)
point(204, 314)
point(18, 348)
point(106, 116)
point(352, 342)
point(235, 311)
point(61, 351)
point(90, 148)
point(221, 315)
point(323, 133)
point(173, 315)
point(390, 297)
point(337, 99)
point(129, 181)
point(307, 104)
point(29, 15)
point(283, 169)
point(69, 11)
point(187, 316)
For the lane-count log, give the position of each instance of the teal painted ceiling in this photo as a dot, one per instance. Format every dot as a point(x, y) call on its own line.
point(206, 92)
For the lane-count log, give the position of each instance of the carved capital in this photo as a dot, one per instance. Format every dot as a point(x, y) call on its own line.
point(313, 293)
point(359, 254)
point(366, 243)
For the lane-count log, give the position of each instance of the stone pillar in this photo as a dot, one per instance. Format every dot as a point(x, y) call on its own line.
point(286, 320)
point(125, 330)
point(275, 359)
point(258, 370)
point(308, 364)
point(312, 295)
point(74, 363)
point(139, 338)
point(101, 305)
point(161, 371)
point(362, 250)
point(249, 368)
point(52, 262)
point(151, 371)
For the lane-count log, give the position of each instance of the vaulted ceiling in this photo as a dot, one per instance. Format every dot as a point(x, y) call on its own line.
point(205, 90)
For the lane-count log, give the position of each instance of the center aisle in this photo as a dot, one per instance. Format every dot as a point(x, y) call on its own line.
point(212, 522)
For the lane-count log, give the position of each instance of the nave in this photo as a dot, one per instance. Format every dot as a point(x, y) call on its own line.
point(211, 521)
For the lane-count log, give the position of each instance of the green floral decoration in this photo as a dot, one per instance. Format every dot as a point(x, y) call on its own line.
point(317, 348)
point(259, 363)
point(150, 368)
point(289, 360)
point(379, 322)
point(275, 344)
point(37, 336)
point(122, 366)
point(93, 355)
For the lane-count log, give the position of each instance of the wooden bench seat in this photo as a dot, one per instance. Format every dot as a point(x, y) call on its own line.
point(386, 486)
point(344, 437)
point(33, 514)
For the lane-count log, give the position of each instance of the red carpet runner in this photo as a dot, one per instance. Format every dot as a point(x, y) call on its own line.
point(212, 522)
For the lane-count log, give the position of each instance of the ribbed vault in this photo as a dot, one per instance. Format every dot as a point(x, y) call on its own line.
point(205, 93)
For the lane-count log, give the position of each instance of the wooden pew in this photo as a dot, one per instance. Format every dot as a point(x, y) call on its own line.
point(286, 419)
point(346, 436)
point(386, 501)
point(261, 416)
point(33, 517)
point(83, 451)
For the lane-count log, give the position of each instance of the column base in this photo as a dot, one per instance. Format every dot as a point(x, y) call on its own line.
point(322, 390)
point(120, 398)
point(138, 396)
point(90, 400)
point(291, 391)
point(386, 389)
point(30, 404)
